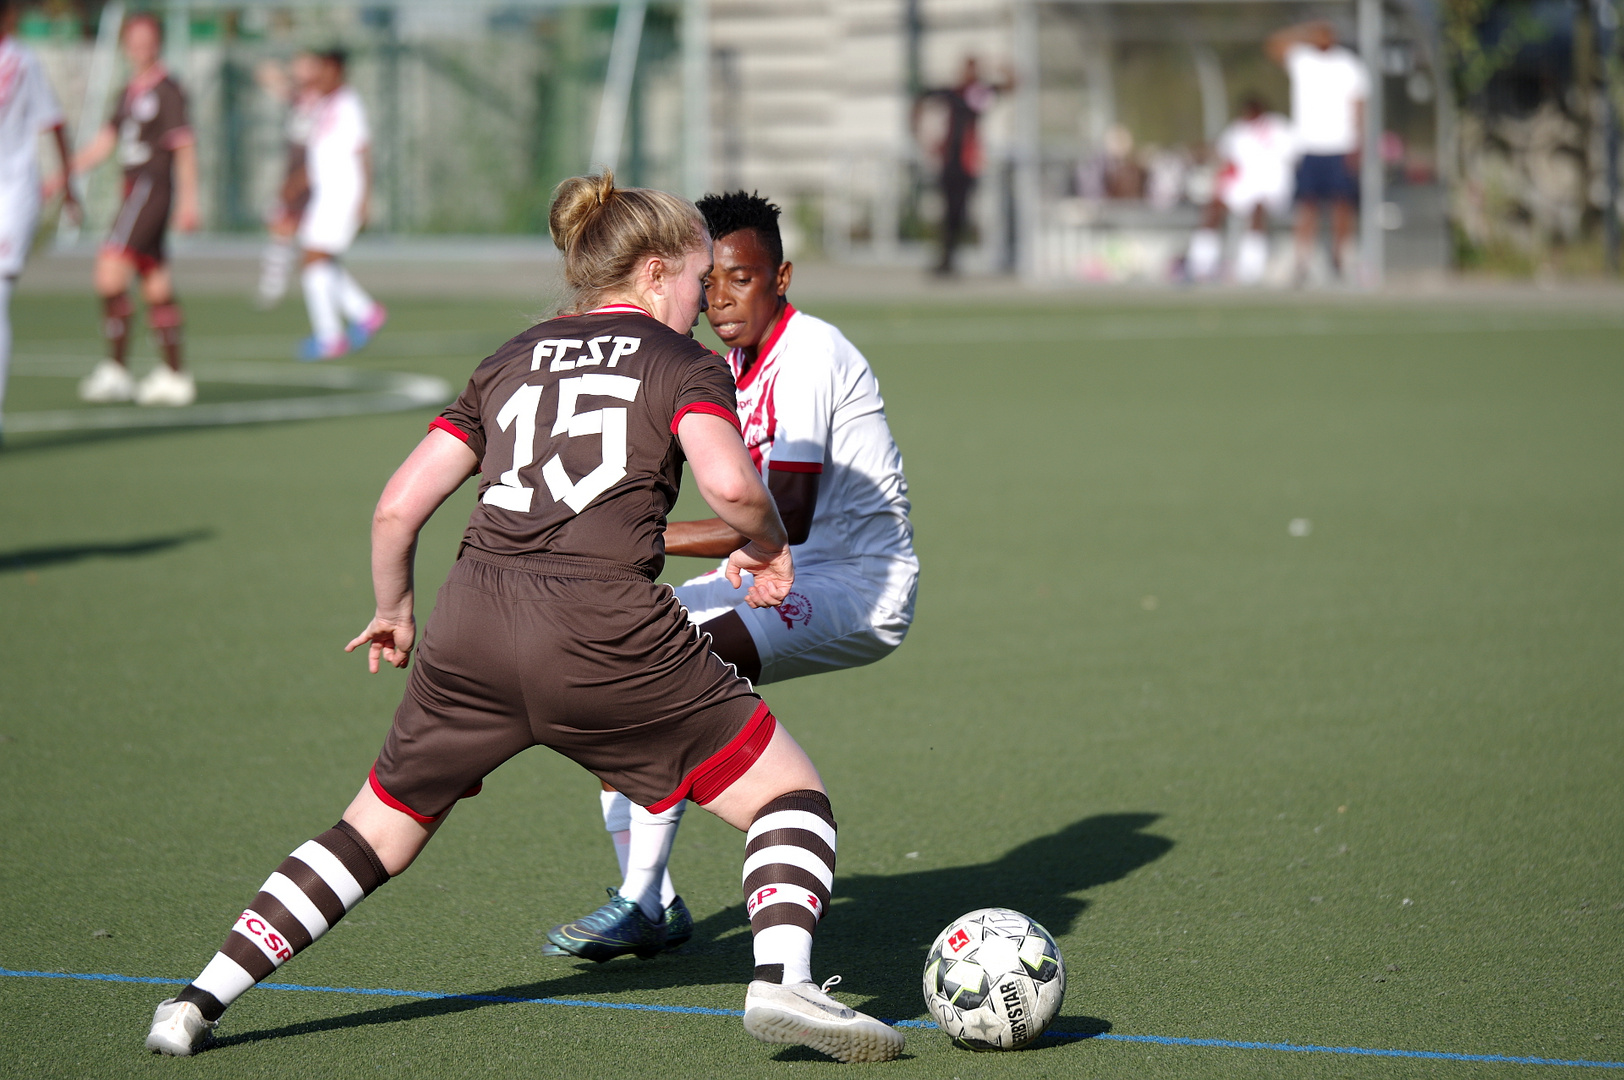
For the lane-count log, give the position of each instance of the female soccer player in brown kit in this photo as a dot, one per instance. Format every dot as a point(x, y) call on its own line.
point(551, 630)
point(150, 131)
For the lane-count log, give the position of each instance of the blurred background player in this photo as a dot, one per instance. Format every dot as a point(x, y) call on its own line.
point(1328, 90)
point(815, 426)
point(1255, 157)
point(961, 152)
point(27, 108)
point(339, 166)
point(149, 129)
point(296, 88)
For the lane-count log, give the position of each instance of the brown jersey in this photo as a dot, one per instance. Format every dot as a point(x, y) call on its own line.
point(574, 425)
point(151, 123)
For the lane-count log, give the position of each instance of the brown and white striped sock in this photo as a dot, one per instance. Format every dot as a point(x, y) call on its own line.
point(312, 889)
point(789, 868)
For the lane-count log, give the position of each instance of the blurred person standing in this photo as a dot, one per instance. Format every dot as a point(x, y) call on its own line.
point(1255, 157)
point(158, 153)
point(1328, 90)
point(295, 88)
point(28, 108)
point(962, 156)
point(338, 162)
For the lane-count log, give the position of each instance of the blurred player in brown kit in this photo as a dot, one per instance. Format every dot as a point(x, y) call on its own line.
point(27, 109)
point(156, 149)
point(296, 88)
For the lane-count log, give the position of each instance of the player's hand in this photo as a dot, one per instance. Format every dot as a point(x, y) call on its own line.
point(71, 207)
point(53, 186)
point(388, 637)
point(774, 573)
point(187, 219)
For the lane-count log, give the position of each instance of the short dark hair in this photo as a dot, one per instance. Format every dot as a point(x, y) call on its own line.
point(725, 214)
point(337, 55)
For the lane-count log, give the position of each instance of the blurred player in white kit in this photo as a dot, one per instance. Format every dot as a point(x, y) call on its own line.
point(1256, 155)
point(814, 423)
point(27, 110)
point(338, 164)
point(296, 88)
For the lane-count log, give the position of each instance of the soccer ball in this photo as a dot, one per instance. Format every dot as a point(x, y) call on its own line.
point(994, 980)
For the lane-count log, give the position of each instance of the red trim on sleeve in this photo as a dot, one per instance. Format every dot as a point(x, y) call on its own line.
point(392, 802)
point(717, 773)
point(710, 408)
point(448, 427)
point(795, 466)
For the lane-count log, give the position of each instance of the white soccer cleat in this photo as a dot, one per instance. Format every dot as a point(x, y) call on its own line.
point(109, 382)
point(164, 386)
point(178, 1029)
point(804, 1014)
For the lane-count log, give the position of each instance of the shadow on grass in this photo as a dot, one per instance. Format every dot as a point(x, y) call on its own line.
point(878, 931)
point(12, 562)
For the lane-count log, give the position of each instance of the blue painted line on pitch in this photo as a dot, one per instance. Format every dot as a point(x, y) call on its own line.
point(694, 1010)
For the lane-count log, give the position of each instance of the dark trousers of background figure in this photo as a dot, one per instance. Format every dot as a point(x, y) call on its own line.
point(957, 186)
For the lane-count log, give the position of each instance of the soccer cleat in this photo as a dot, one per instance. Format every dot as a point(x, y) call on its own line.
point(679, 924)
point(311, 350)
point(805, 1014)
point(363, 331)
point(617, 928)
point(165, 386)
point(107, 383)
point(178, 1029)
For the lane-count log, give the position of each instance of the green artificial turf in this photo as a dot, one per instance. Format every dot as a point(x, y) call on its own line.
point(1358, 788)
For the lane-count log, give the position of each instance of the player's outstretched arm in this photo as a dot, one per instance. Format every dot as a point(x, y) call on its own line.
point(424, 480)
point(70, 201)
point(729, 483)
point(796, 495)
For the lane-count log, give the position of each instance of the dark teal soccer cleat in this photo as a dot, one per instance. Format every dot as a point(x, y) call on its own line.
point(617, 928)
point(679, 928)
point(679, 925)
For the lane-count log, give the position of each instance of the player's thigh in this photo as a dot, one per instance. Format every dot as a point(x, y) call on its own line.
point(330, 224)
point(830, 620)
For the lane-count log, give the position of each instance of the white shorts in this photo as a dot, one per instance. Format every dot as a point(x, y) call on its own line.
point(1240, 199)
point(833, 618)
point(19, 213)
point(330, 223)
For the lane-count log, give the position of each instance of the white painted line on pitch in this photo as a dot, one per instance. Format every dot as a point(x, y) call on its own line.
point(354, 392)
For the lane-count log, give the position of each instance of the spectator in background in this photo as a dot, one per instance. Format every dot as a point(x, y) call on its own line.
point(961, 152)
point(1328, 90)
point(1255, 155)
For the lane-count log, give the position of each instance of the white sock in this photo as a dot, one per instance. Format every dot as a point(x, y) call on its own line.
point(1252, 259)
point(1206, 248)
point(275, 262)
point(788, 945)
point(617, 820)
point(5, 338)
point(647, 857)
point(353, 300)
point(320, 287)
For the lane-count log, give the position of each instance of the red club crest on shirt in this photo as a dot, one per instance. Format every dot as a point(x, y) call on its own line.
point(795, 608)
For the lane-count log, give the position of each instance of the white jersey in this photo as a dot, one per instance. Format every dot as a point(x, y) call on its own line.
point(811, 404)
point(1259, 156)
point(338, 134)
point(1325, 87)
point(27, 108)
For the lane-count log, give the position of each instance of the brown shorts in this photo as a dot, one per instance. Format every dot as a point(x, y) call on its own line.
point(142, 222)
point(587, 657)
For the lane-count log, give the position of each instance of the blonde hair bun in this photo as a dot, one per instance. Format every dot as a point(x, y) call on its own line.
point(605, 232)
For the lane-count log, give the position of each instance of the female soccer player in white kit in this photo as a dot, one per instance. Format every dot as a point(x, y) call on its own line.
point(815, 425)
point(27, 109)
point(338, 163)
